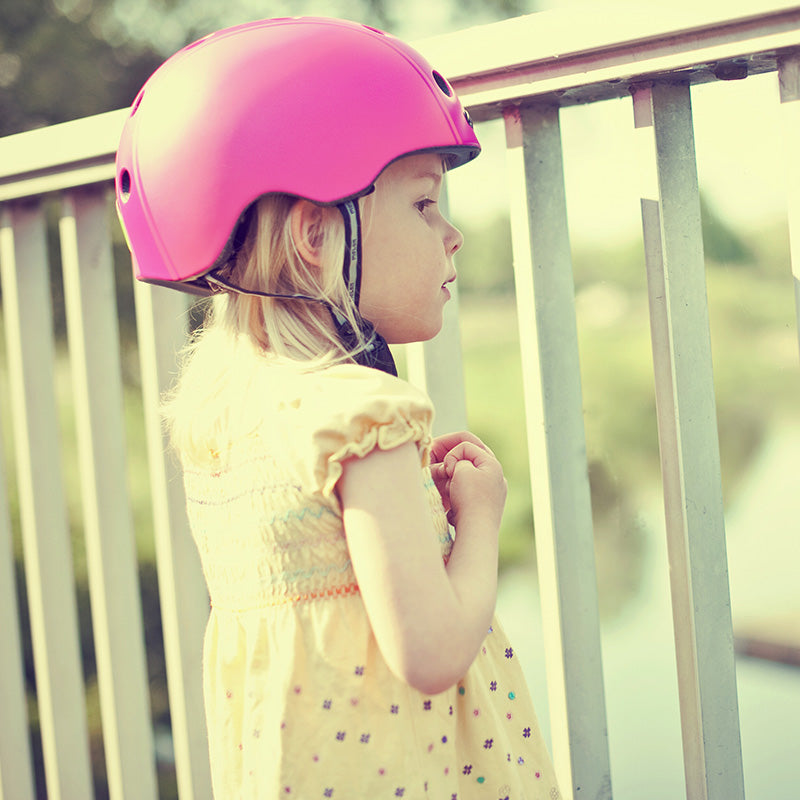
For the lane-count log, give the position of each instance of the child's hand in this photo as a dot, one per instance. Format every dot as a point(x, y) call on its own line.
point(469, 478)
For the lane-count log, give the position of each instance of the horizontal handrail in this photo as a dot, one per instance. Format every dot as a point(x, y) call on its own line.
point(564, 56)
point(570, 57)
point(61, 156)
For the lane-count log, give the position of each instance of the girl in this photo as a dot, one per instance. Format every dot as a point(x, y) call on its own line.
point(351, 650)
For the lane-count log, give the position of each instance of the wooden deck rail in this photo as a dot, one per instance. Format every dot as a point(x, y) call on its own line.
point(522, 71)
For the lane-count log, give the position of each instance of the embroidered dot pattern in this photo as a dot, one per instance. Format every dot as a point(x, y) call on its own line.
point(522, 733)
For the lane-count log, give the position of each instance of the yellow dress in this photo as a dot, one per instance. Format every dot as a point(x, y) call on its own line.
point(299, 700)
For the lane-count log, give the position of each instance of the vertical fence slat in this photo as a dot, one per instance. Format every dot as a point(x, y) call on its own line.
point(108, 522)
point(690, 452)
point(437, 366)
point(557, 446)
point(789, 87)
point(161, 316)
point(16, 767)
point(46, 537)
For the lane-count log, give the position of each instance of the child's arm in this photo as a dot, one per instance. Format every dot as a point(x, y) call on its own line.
point(429, 619)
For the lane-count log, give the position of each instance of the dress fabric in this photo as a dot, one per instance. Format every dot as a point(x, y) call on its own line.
point(299, 700)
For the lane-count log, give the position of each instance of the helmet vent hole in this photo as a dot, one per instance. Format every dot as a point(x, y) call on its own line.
point(442, 84)
point(124, 186)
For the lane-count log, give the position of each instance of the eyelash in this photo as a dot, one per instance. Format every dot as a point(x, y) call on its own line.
point(423, 204)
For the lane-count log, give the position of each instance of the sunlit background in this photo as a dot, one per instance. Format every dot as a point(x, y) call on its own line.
point(64, 59)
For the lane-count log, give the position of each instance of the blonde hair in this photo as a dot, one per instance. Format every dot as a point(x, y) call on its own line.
point(219, 395)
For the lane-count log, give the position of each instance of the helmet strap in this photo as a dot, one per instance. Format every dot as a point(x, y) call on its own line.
point(376, 354)
point(351, 268)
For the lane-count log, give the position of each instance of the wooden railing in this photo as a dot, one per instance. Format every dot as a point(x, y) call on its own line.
point(523, 71)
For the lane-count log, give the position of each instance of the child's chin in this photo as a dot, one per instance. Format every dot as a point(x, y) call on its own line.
point(416, 330)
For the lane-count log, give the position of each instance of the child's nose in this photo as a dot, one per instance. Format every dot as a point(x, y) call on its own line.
point(454, 239)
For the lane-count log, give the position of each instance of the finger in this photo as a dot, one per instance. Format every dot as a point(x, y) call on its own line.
point(443, 444)
point(442, 483)
point(468, 451)
point(439, 476)
point(437, 472)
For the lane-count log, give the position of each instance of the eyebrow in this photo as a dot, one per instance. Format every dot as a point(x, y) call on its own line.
point(436, 177)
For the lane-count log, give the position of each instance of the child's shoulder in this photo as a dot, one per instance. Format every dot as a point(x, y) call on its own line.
point(345, 391)
point(353, 410)
point(362, 381)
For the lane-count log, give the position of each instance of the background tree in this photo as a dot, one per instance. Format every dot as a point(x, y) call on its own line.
point(57, 66)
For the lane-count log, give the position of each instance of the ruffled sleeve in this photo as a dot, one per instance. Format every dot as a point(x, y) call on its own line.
point(364, 409)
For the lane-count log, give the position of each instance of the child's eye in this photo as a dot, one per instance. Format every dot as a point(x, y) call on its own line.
point(421, 205)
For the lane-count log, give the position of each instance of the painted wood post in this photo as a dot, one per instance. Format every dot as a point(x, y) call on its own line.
point(437, 366)
point(789, 88)
point(90, 299)
point(45, 530)
point(690, 462)
point(16, 766)
point(161, 316)
point(557, 447)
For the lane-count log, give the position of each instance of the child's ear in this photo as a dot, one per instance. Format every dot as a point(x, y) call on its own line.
point(308, 230)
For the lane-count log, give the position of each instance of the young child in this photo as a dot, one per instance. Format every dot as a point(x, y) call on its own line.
point(292, 169)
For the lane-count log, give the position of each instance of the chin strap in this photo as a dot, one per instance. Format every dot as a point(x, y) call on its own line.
point(376, 354)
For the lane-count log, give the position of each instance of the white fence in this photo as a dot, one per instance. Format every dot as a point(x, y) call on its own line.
point(522, 71)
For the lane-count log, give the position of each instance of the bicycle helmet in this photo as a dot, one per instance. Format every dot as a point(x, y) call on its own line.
point(313, 107)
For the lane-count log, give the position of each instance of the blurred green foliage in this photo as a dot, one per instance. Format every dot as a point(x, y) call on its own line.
point(56, 67)
point(755, 358)
point(66, 59)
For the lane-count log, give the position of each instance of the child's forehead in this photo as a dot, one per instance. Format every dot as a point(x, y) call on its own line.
point(418, 166)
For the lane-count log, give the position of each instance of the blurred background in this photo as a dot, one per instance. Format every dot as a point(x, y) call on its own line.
point(65, 59)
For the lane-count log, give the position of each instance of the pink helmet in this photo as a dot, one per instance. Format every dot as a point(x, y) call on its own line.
point(313, 107)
